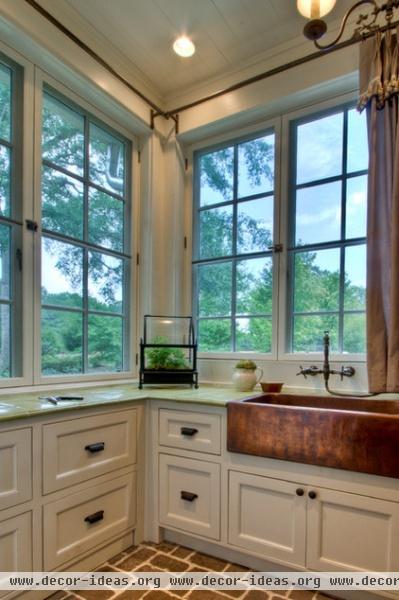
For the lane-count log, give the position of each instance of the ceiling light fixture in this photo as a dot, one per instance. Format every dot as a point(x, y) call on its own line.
point(365, 24)
point(183, 46)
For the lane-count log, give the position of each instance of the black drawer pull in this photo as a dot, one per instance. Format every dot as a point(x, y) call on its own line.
point(300, 492)
point(98, 447)
point(188, 431)
point(188, 496)
point(97, 516)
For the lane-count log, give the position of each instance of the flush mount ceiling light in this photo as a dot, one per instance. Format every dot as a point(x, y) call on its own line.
point(365, 25)
point(183, 46)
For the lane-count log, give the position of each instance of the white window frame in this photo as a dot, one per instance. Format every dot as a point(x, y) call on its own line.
point(33, 81)
point(26, 339)
point(261, 128)
point(42, 80)
point(281, 125)
point(330, 104)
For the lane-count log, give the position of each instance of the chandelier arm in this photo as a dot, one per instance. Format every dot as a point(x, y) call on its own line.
point(344, 22)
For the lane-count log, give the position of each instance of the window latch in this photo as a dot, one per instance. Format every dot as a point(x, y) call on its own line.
point(31, 225)
point(18, 255)
point(276, 248)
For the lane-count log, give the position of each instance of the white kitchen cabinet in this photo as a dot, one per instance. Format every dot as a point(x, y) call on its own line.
point(312, 527)
point(267, 516)
point(16, 543)
point(76, 523)
point(75, 450)
point(351, 532)
point(16, 548)
point(189, 430)
point(15, 467)
point(190, 495)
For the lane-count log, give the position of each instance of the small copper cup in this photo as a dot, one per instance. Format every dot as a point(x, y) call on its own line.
point(271, 388)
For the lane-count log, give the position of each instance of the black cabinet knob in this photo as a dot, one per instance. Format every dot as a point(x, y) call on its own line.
point(188, 496)
point(300, 492)
point(312, 495)
point(97, 516)
point(188, 431)
point(97, 447)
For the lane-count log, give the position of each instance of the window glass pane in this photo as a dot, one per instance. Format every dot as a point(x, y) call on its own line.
point(62, 135)
point(358, 155)
point(255, 225)
point(318, 214)
point(62, 274)
point(256, 166)
point(105, 343)
point(62, 203)
point(214, 289)
point(74, 275)
point(105, 220)
point(254, 334)
point(105, 282)
point(319, 148)
point(216, 177)
point(355, 277)
point(5, 267)
point(254, 286)
point(5, 341)
point(5, 103)
point(61, 342)
point(317, 281)
point(355, 333)
point(214, 335)
point(5, 179)
point(356, 207)
point(107, 160)
point(309, 331)
point(216, 232)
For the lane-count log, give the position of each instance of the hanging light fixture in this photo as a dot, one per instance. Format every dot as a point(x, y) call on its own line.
point(315, 9)
point(316, 27)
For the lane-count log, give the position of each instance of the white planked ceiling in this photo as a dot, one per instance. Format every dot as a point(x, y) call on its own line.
point(228, 34)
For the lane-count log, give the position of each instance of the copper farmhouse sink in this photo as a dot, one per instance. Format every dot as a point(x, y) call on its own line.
point(344, 433)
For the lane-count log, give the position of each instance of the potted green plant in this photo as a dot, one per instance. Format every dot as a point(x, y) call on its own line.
point(244, 377)
point(165, 359)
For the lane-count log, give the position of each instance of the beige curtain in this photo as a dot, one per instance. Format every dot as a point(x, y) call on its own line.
point(379, 96)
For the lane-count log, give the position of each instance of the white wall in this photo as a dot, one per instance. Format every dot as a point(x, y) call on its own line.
point(165, 187)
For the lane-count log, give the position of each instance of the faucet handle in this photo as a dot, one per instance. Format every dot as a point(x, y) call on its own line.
point(301, 372)
point(347, 372)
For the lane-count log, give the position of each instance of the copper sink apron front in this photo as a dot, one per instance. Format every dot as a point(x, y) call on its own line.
point(362, 440)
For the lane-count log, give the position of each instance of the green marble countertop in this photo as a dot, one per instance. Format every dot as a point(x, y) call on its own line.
point(19, 406)
point(28, 404)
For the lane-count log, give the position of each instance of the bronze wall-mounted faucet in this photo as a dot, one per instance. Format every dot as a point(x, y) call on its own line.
point(326, 371)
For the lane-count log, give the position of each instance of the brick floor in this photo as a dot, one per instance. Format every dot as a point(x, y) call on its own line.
point(149, 557)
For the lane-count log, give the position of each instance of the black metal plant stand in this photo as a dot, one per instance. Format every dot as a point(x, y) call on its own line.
point(178, 336)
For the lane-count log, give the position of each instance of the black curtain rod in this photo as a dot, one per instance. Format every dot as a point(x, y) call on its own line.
point(175, 111)
point(92, 53)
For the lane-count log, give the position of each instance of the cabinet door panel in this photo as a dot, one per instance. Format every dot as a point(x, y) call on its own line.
point(266, 516)
point(15, 467)
point(76, 523)
point(16, 545)
point(189, 430)
point(350, 532)
point(79, 449)
point(190, 495)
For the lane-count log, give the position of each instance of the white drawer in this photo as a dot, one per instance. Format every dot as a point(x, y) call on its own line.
point(189, 430)
point(16, 544)
point(79, 449)
point(190, 495)
point(15, 467)
point(78, 522)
